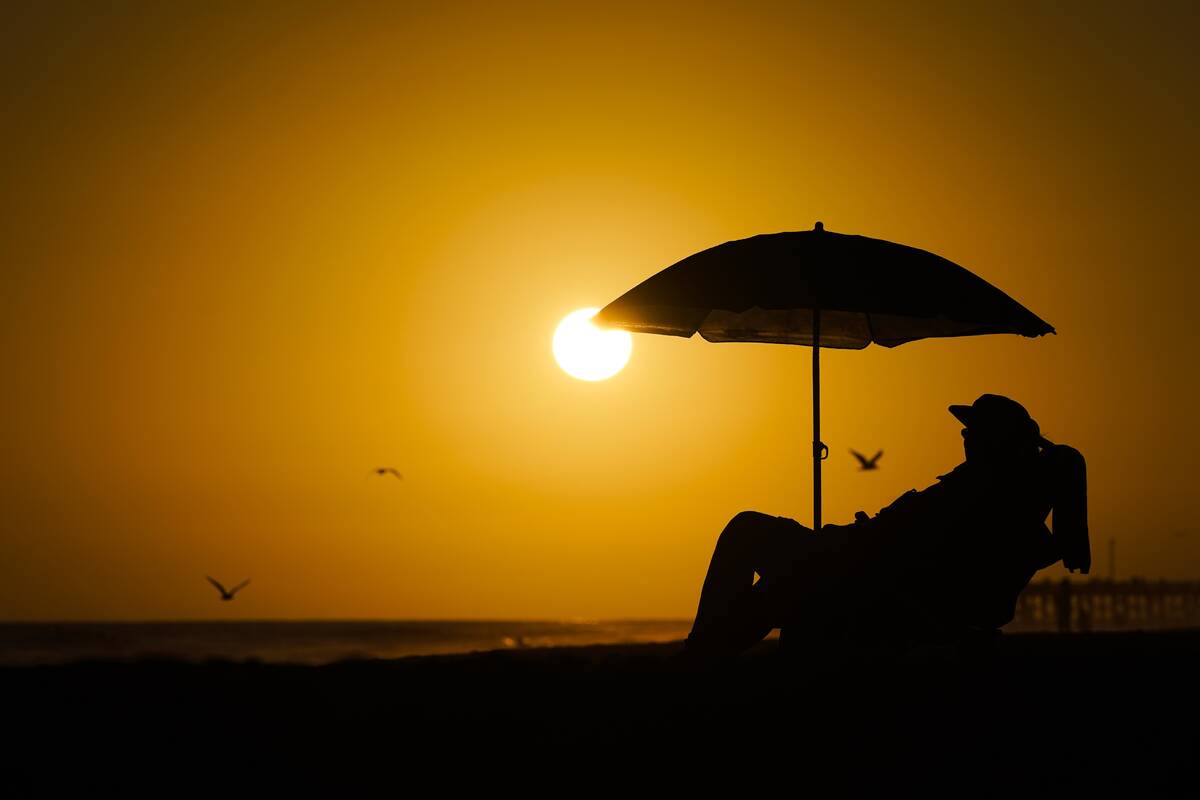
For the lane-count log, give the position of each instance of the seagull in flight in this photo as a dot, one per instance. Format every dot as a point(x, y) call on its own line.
point(387, 471)
point(227, 594)
point(866, 463)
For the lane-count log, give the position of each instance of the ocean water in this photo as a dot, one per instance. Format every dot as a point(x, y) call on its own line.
point(320, 642)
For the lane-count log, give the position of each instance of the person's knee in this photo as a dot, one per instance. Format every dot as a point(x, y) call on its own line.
point(745, 520)
point(743, 525)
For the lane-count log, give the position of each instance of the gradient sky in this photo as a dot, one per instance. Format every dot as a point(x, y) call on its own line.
point(248, 255)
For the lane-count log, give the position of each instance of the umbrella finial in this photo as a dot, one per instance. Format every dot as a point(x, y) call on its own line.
point(820, 226)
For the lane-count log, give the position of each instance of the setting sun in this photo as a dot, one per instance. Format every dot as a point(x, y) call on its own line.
point(587, 352)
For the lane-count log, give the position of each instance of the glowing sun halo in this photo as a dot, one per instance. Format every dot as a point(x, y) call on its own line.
point(588, 352)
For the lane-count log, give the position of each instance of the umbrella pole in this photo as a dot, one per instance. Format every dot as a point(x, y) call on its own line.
point(816, 444)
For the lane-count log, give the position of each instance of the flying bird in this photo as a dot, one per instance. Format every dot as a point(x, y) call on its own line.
point(227, 594)
point(866, 463)
point(387, 471)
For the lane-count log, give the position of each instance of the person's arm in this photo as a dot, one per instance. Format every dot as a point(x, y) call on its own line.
point(1068, 484)
point(861, 517)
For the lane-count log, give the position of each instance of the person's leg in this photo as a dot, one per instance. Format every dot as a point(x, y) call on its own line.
point(734, 612)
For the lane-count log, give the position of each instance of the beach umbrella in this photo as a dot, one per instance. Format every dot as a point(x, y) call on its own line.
point(821, 289)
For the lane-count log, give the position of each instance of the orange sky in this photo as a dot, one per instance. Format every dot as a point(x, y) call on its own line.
point(250, 255)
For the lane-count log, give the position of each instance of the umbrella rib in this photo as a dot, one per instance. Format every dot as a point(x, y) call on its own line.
point(870, 329)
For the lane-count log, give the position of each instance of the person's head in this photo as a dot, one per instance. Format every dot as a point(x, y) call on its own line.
point(998, 431)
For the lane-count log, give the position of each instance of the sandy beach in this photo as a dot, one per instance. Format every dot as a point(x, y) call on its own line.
point(1076, 710)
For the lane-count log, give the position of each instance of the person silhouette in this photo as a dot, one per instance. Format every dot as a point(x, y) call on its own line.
point(952, 557)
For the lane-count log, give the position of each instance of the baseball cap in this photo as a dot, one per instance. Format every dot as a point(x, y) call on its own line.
point(995, 414)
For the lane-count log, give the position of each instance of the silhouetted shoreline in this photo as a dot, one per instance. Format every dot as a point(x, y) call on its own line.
point(311, 642)
point(1081, 709)
point(1044, 606)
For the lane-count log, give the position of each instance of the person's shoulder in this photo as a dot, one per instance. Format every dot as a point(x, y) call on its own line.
point(1062, 455)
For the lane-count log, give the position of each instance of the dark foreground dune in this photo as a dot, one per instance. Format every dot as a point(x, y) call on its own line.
point(1101, 711)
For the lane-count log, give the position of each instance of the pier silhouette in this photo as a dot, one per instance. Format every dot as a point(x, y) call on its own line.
point(1107, 605)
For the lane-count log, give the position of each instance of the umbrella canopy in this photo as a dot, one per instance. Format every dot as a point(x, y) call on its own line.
point(766, 288)
point(821, 289)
